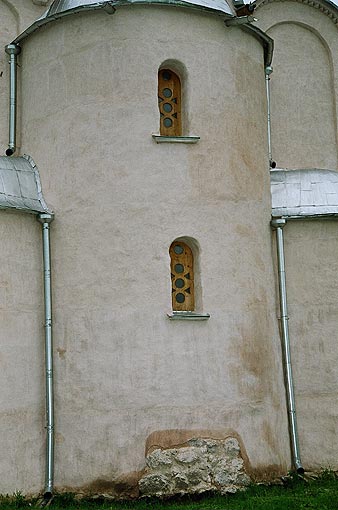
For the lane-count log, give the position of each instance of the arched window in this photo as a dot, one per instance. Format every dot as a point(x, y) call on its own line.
point(182, 277)
point(169, 102)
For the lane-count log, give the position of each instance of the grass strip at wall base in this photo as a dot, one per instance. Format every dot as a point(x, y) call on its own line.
point(292, 493)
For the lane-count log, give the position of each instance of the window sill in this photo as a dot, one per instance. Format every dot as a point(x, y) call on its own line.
point(175, 139)
point(188, 316)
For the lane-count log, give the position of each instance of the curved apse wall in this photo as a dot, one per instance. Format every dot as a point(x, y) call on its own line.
point(302, 99)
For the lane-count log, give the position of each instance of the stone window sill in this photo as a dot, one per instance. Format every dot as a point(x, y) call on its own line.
point(188, 316)
point(175, 139)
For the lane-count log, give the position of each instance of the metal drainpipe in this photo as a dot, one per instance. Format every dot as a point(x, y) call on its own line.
point(278, 225)
point(13, 51)
point(268, 72)
point(45, 220)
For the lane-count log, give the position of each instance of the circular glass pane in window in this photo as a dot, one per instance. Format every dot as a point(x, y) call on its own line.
point(179, 283)
point(180, 298)
point(179, 268)
point(166, 75)
point(178, 249)
point(167, 107)
point(167, 92)
point(167, 122)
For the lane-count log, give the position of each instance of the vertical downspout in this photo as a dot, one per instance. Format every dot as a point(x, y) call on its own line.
point(268, 72)
point(13, 51)
point(278, 225)
point(45, 220)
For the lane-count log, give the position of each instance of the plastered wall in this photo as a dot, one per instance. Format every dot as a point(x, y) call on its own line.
point(303, 84)
point(311, 271)
point(123, 369)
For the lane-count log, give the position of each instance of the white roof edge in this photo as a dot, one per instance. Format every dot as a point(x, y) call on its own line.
point(20, 185)
point(304, 193)
point(63, 8)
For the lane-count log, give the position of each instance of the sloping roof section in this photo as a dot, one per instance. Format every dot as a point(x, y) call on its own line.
point(60, 8)
point(304, 193)
point(64, 5)
point(20, 186)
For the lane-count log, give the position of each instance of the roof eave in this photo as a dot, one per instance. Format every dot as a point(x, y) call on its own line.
point(110, 7)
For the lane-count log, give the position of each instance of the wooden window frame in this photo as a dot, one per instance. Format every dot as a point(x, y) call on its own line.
point(182, 277)
point(169, 103)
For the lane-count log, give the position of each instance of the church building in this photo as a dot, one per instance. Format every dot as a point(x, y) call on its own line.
point(169, 240)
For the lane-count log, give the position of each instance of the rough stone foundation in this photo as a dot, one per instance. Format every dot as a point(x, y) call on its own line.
point(201, 465)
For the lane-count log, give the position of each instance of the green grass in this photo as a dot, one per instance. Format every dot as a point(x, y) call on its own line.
point(295, 494)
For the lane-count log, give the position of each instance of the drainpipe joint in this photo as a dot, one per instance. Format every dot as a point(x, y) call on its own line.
point(268, 70)
point(45, 218)
point(12, 49)
point(278, 223)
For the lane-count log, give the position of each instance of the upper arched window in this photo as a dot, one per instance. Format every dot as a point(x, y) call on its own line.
point(169, 102)
point(182, 276)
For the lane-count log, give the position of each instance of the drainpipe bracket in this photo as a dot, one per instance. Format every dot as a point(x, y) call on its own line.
point(109, 8)
point(240, 20)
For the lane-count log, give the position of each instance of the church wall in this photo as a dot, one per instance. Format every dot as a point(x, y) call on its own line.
point(303, 85)
point(311, 271)
point(123, 369)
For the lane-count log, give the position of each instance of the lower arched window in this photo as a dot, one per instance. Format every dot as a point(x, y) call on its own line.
point(182, 276)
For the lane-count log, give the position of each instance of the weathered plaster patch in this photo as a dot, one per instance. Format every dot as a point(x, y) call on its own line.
point(61, 352)
point(202, 464)
point(124, 486)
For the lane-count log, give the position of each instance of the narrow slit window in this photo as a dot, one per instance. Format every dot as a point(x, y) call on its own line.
point(182, 277)
point(169, 102)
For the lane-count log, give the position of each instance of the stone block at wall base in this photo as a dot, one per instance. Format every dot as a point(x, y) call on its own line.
point(200, 465)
